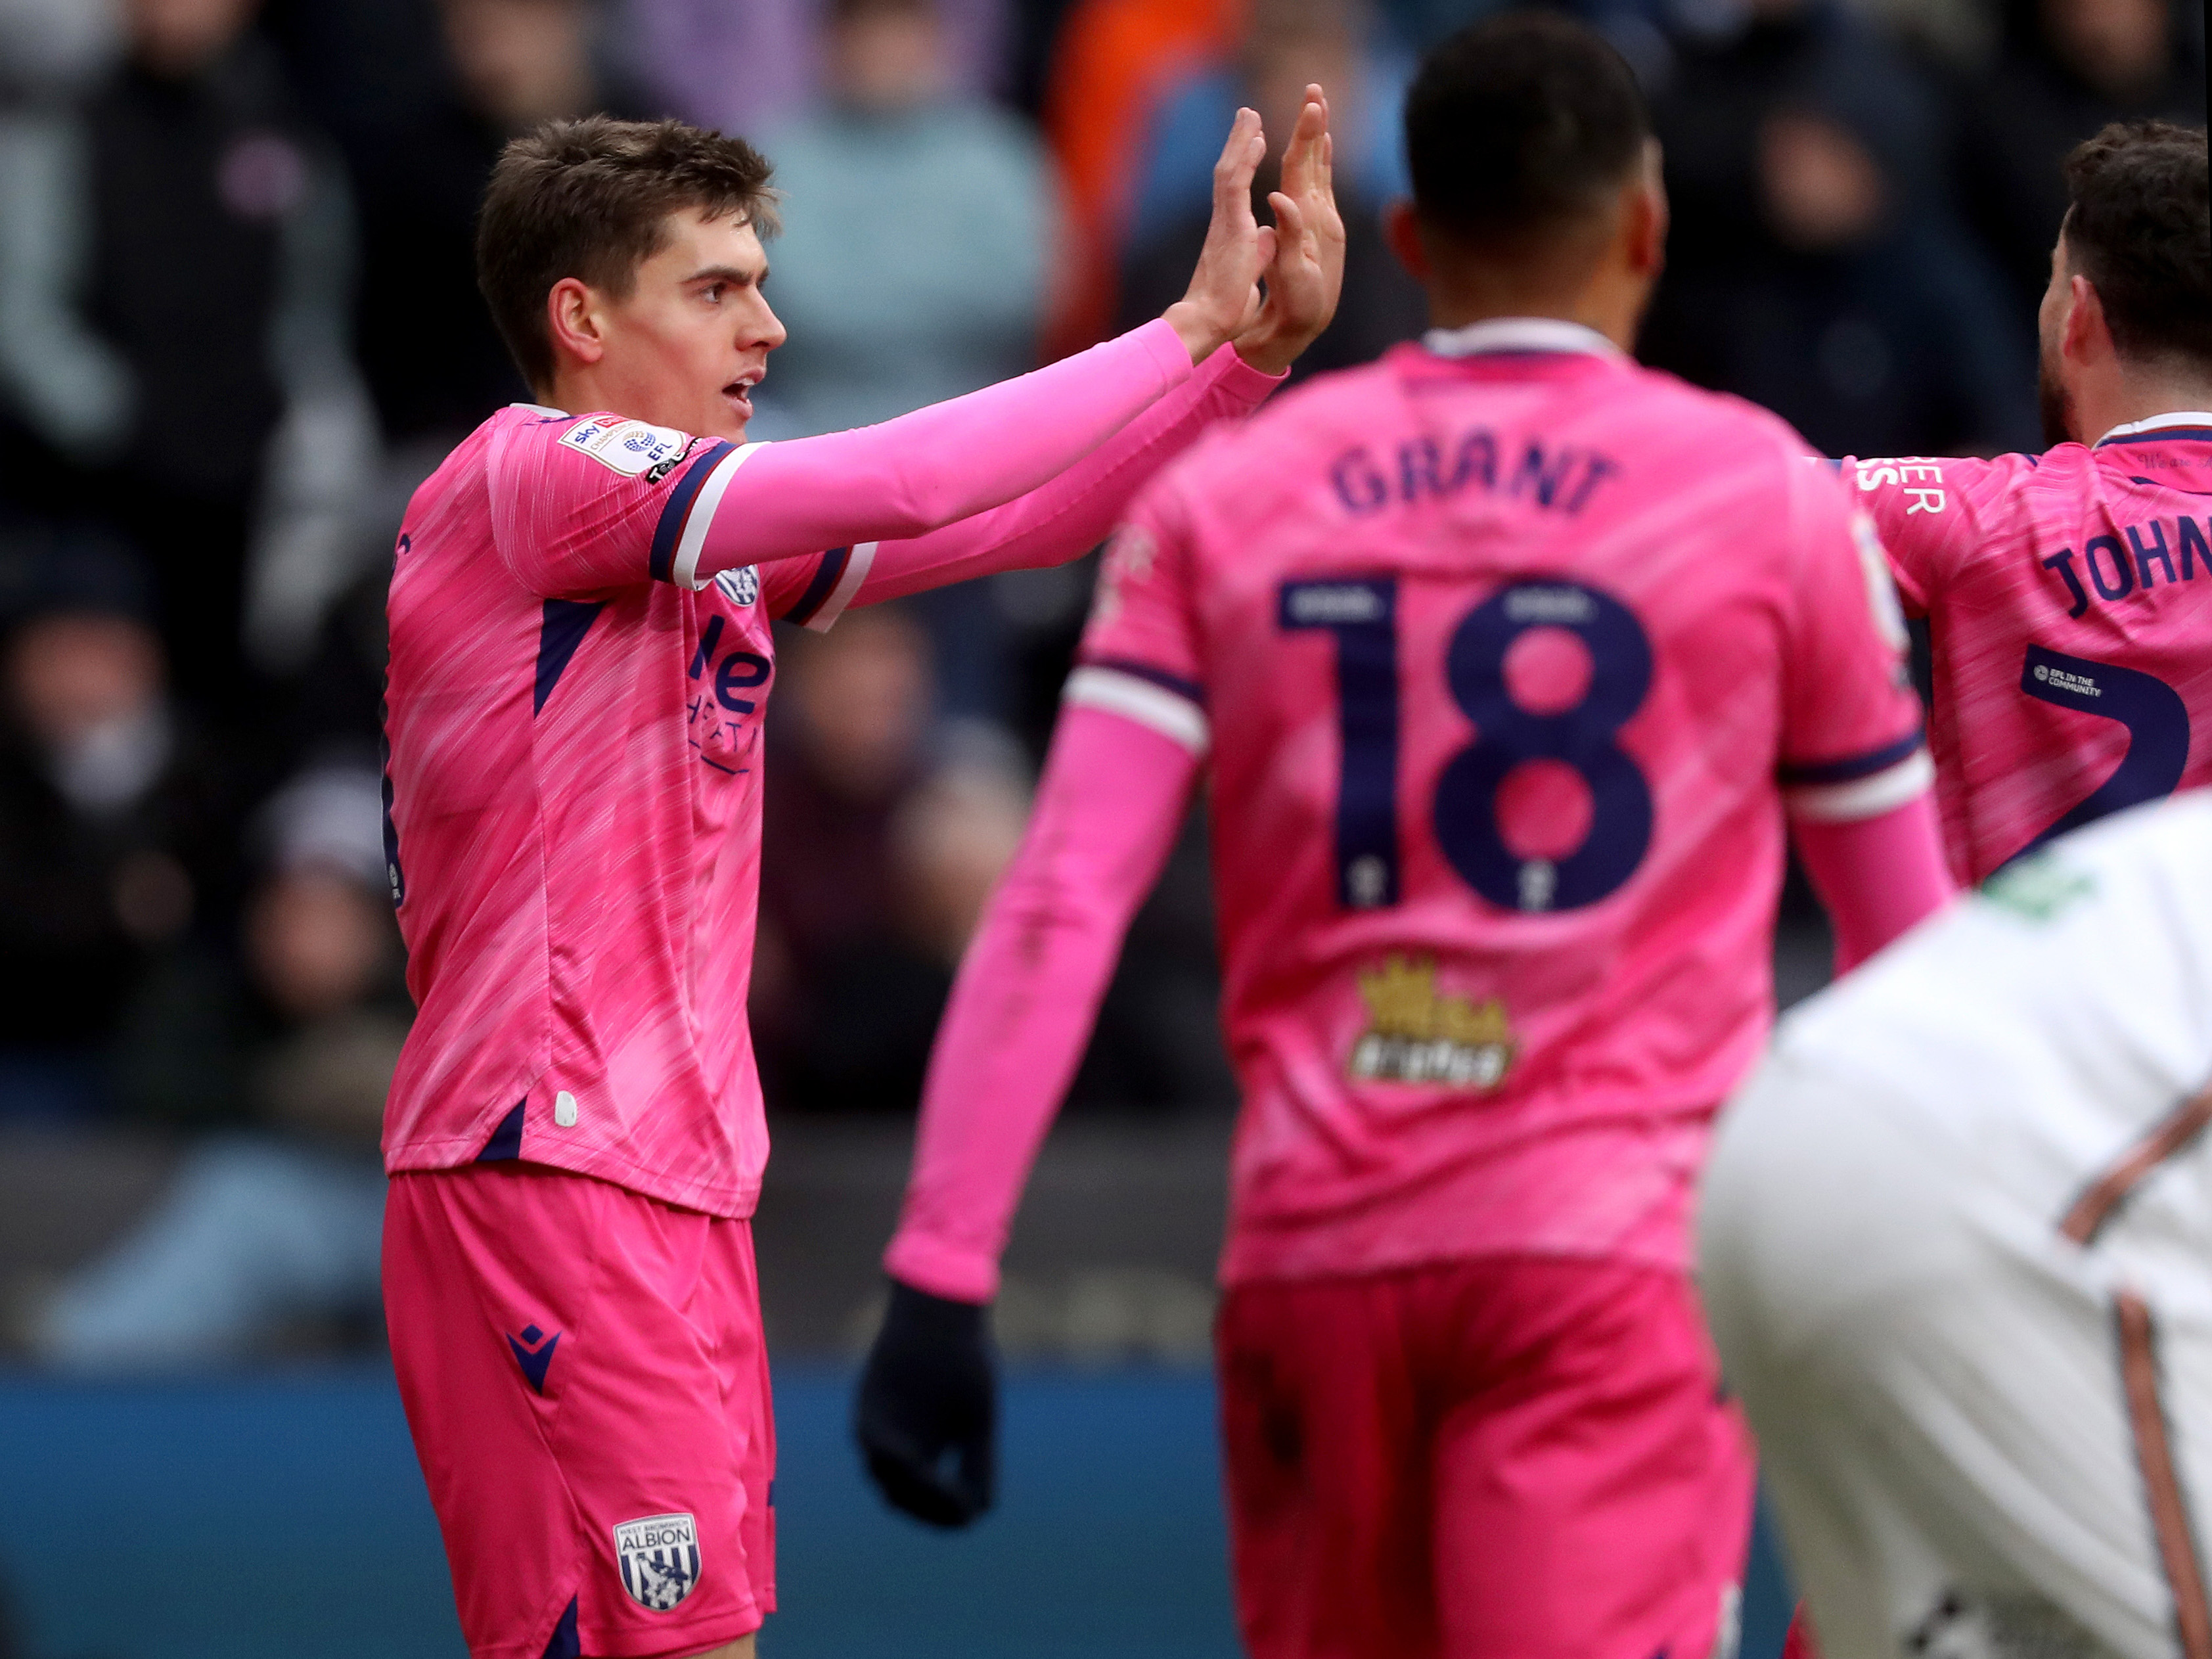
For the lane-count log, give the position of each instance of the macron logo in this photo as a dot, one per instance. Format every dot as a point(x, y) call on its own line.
point(533, 1352)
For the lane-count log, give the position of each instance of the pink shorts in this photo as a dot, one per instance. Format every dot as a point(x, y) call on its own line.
point(583, 1371)
point(1514, 1458)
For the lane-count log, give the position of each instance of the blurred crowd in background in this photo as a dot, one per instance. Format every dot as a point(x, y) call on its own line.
point(239, 325)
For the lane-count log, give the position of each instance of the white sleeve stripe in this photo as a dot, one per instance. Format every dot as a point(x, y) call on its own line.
point(856, 572)
point(685, 571)
point(1864, 798)
point(1174, 717)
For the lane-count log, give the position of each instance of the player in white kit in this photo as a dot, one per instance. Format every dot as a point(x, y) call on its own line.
point(1956, 1248)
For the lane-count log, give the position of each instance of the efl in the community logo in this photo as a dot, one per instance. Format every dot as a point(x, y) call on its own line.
point(1415, 1035)
point(659, 1559)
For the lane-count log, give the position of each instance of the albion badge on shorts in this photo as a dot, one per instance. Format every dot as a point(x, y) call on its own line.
point(659, 1559)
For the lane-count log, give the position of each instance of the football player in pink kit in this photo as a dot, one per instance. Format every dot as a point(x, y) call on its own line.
point(2060, 590)
point(1503, 657)
point(581, 650)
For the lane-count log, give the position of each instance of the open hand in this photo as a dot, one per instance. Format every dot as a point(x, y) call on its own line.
point(1306, 275)
point(1224, 299)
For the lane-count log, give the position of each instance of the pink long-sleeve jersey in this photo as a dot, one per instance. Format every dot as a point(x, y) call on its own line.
point(2070, 673)
point(580, 661)
point(1504, 655)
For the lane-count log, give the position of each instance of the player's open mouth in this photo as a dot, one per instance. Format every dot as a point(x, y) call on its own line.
point(740, 392)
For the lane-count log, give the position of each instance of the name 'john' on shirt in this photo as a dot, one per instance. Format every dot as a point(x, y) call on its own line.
point(2116, 570)
point(1426, 469)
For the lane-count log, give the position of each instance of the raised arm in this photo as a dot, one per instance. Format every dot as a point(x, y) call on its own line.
point(938, 464)
point(1114, 796)
point(925, 471)
point(1072, 514)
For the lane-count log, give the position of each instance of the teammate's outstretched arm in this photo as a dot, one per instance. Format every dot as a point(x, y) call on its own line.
point(1112, 801)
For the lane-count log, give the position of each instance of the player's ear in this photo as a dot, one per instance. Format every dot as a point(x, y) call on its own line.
point(572, 317)
point(1647, 213)
point(2086, 336)
point(1401, 229)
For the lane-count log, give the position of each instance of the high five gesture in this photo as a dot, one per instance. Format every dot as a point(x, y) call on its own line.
point(1300, 257)
point(1307, 273)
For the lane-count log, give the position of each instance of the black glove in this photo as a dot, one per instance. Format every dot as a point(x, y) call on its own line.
point(928, 1410)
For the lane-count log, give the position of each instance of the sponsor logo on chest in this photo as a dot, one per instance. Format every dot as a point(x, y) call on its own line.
point(1417, 1033)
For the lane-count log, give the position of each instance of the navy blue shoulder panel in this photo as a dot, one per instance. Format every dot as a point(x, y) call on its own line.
point(567, 621)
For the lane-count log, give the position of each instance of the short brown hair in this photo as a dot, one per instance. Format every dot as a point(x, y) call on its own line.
point(2139, 226)
point(590, 199)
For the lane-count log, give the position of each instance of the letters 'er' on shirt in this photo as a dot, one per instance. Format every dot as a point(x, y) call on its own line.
point(1505, 653)
point(2065, 595)
point(575, 794)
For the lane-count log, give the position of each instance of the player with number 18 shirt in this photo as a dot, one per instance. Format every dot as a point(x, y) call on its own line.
point(1502, 657)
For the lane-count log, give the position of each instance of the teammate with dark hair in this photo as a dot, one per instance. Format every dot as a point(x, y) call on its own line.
point(2060, 589)
point(1504, 657)
point(2053, 709)
point(580, 656)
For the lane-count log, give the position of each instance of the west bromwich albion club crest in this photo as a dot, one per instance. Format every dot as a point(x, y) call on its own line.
point(659, 1559)
point(742, 585)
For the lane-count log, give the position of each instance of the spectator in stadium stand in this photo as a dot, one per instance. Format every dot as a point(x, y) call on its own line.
point(868, 910)
point(48, 46)
point(1816, 267)
point(434, 360)
point(1114, 60)
point(748, 68)
point(174, 262)
point(268, 1230)
point(113, 826)
point(969, 253)
point(2067, 68)
point(913, 267)
point(1288, 44)
point(1346, 35)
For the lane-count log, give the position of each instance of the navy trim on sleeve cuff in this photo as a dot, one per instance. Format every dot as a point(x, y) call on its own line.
point(1191, 691)
point(678, 512)
point(819, 590)
point(1856, 767)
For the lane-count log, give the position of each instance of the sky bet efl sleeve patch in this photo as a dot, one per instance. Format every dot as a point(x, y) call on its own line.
point(629, 447)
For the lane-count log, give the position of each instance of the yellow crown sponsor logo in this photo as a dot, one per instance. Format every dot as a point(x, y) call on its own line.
point(1414, 1035)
